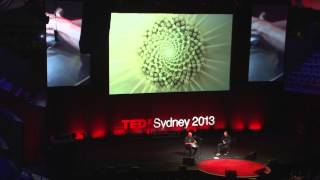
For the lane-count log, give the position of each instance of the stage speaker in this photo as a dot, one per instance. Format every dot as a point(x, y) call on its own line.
point(188, 161)
point(251, 156)
point(231, 174)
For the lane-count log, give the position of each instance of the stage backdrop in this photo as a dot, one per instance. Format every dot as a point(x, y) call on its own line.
point(102, 117)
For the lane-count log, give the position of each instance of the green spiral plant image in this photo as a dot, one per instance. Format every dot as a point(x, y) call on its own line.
point(153, 53)
point(172, 53)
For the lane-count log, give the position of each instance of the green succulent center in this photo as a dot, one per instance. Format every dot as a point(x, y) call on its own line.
point(172, 53)
point(167, 51)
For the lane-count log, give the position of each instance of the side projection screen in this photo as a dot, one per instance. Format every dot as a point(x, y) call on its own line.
point(155, 53)
point(267, 43)
point(66, 65)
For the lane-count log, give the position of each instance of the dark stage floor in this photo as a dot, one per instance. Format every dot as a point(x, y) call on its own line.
point(164, 154)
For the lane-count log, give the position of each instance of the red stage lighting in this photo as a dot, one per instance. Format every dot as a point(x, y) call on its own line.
point(98, 128)
point(238, 125)
point(79, 135)
point(98, 133)
point(255, 125)
point(314, 4)
point(220, 124)
point(118, 132)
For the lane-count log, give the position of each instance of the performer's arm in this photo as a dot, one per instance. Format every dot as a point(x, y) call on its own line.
point(273, 34)
point(228, 140)
point(77, 22)
point(185, 141)
point(280, 24)
point(68, 31)
point(193, 142)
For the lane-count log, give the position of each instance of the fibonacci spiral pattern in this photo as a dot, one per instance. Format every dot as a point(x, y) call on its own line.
point(172, 53)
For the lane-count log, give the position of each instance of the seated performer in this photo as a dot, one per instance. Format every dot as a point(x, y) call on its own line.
point(225, 143)
point(191, 144)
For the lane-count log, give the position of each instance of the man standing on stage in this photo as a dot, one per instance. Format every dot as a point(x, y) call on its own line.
point(225, 143)
point(191, 143)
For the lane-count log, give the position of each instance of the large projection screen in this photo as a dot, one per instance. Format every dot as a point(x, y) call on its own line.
point(156, 53)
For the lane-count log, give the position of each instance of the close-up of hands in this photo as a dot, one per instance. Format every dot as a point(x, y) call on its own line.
point(67, 30)
point(272, 32)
